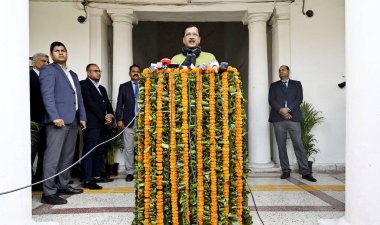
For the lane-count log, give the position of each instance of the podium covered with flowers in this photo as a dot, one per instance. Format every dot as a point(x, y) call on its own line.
point(191, 148)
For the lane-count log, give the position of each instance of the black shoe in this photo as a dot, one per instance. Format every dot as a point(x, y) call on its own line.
point(92, 185)
point(102, 180)
point(70, 191)
point(53, 200)
point(285, 175)
point(129, 177)
point(309, 177)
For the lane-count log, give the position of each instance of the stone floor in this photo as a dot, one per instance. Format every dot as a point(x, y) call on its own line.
point(279, 202)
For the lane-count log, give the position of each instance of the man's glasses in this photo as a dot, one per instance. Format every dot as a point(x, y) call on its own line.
point(97, 71)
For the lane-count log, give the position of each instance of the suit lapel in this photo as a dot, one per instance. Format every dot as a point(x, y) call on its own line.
point(58, 67)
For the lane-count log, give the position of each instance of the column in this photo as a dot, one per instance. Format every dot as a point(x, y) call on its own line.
point(280, 25)
point(258, 109)
point(15, 172)
point(362, 116)
point(122, 48)
point(99, 53)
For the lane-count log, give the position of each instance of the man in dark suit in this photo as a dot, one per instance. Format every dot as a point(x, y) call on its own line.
point(61, 94)
point(99, 114)
point(285, 98)
point(126, 109)
point(37, 112)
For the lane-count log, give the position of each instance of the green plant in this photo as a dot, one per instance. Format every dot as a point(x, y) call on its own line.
point(311, 118)
point(34, 130)
point(114, 144)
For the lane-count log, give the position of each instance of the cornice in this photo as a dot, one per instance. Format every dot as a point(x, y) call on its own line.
point(122, 15)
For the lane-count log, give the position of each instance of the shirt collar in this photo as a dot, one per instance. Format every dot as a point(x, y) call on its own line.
point(97, 84)
point(37, 71)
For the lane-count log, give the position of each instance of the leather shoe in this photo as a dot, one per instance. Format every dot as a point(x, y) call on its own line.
point(102, 180)
point(53, 200)
point(70, 191)
point(285, 175)
point(309, 177)
point(92, 185)
point(129, 177)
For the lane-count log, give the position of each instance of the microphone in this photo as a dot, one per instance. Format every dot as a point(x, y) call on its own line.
point(223, 67)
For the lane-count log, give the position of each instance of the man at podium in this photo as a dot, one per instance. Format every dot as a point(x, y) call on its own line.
point(191, 53)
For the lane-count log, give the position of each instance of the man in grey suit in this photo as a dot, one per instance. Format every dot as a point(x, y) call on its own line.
point(285, 98)
point(61, 94)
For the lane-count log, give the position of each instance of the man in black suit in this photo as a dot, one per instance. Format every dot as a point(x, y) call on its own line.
point(285, 98)
point(99, 114)
point(126, 109)
point(37, 112)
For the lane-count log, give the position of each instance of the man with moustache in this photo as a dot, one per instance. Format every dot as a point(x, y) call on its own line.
point(126, 110)
point(61, 94)
point(99, 114)
point(191, 54)
point(285, 98)
point(37, 112)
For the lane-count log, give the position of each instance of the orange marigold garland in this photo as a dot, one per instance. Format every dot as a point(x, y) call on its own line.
point(159, 153)
point(173, 151)
point(239, 150)
point(214, 194)
point(199, 144)
point(185, 139)
point(226, 142)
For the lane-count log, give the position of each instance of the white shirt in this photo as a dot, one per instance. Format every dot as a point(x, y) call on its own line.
point(96, 84)
point(37, 72)
point(68, 74)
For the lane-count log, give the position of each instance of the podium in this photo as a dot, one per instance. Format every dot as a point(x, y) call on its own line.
point(192, 154)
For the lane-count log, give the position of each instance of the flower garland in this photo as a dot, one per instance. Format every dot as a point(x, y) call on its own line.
point(173, 153)
point(185, 138)
point(239, 149)
point(147, 150)
point(226, 142)
point(199, 87)
point(214, 189)
point(159, 153)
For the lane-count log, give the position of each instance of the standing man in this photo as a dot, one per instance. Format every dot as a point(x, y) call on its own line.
point(126, 109)
point(37, 112)
point(285, 98)
point(64, 106)
point(99, 114)
point(191, 53)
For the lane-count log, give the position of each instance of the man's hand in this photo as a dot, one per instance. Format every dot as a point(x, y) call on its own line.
point(284, 111)
point(287, 116)
point(120, 125)
point(59, 123)
point(108, 119)
point(83, 123)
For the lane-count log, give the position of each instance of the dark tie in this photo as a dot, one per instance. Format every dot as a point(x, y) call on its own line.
point(136, 96)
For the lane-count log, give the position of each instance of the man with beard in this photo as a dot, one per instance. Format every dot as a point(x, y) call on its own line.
point(191, 52)
point(126, 110)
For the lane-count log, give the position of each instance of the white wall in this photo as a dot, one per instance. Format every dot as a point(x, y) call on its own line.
point(58, 22)
point(317, 60)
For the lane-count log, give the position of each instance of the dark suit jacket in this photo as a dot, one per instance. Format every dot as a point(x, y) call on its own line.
point(37, 109)
point(97, 105)
point(59, 96)
point(277, 96)
point(125, 107)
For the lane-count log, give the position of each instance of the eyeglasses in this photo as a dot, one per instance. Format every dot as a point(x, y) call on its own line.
point(97, 71)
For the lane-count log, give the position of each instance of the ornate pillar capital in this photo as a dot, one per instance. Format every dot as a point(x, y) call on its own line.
point(122, 15)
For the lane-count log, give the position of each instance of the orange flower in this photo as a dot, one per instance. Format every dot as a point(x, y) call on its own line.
point(200, 148)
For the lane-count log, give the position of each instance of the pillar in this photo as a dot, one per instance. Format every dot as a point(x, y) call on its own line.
point(122, 22)
point(362, 116)
point(258, 108)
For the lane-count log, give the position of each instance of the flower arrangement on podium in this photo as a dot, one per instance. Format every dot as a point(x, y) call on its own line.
point(192, 154)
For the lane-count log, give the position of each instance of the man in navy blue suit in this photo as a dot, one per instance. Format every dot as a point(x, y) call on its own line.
point(61, 94)
point(99, 115)
point(126, 109)
point(285, 98)
point(37, 112)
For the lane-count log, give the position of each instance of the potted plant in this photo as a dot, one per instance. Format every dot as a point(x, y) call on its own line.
point(112, 146)
point(312, 117)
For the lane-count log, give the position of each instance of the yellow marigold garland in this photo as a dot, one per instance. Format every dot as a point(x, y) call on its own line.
point(185, 138)
point(173, 151)
point(214, 188)
point(147, 150)
point(159, 153)
point(226, 142)
point(239, 149)
point(199, 144)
